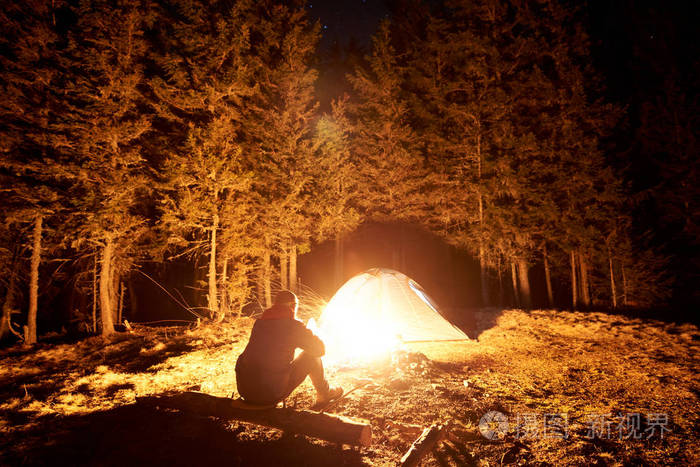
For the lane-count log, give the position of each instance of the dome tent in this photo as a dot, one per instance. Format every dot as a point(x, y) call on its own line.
point(383, 304)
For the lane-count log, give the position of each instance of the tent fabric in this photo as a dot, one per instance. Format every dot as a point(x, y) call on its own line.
point(393, 301)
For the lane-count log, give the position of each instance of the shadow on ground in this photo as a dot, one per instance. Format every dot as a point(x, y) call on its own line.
point(140, 435)
point(474, 321)
point(663, 314)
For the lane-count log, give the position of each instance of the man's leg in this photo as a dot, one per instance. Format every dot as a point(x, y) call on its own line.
point(306, 365)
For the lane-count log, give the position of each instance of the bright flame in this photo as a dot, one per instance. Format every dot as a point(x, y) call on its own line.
point(373, 312)
point(356, 328)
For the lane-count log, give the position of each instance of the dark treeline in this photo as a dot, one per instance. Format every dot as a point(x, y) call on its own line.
point(189, 130)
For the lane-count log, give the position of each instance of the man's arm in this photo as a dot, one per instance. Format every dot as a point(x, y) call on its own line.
point(308, 341)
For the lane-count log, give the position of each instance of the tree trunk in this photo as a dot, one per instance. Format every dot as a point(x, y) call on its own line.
point(121, 302)
point(482, 260)
point(267, 290)
point(106, 296)
point(455, 281)
point(574, 287)
point(525, 297)
point(224, 305)
point(514, 277)
point(548, 278)
point(293, 280)
point(613, 289)
point(114, 290)
point(212, 297)
point(625, 290)
point(260, 290)
point(339, 256)
point(284, 271)
point(484, 279)
point(94, 295)
point(30, 330)
point(501, 292)
point(330, 427)
point(585, 292)
point(6, 323)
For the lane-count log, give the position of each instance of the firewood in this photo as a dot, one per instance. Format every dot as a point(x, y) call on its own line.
point(329, 427)
point(422, 445)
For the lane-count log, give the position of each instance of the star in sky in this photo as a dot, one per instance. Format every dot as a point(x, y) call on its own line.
point(346, 20)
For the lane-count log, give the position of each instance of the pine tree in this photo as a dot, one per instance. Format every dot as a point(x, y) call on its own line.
point(566, 195)
point(103, 124)
point(9, 271)
point(458, 81)
point(336, 182)
point(658, 155)
point(30, 170)
point(279, 127)
point(203, 195)
point(668, 199)
point(390, 161)
point(506, 107)
point(570, 121)
point(203, 74)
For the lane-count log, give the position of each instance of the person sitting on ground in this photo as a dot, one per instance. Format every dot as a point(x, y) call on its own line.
point(267, 372)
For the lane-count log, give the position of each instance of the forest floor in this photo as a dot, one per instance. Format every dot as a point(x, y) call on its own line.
point(576, 388)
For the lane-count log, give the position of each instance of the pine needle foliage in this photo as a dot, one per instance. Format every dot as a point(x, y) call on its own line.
point(103, 125)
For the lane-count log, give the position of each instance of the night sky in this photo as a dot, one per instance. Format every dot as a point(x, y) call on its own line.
point(346, 20)
point(634, 42)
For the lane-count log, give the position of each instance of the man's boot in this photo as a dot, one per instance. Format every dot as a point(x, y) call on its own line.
point(332, 393)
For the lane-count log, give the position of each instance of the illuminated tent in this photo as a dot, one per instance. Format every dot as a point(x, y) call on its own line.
point(378, 308)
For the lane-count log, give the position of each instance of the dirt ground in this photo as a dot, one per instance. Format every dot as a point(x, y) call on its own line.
point(573, 388)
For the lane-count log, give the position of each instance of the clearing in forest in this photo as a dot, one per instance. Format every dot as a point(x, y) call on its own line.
point(573, 387)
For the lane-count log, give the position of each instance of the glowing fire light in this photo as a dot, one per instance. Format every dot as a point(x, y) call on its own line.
point(374, 312)
point(353, 330)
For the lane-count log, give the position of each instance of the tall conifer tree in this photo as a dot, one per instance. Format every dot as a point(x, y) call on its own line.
point(336, 184)
point(30, 93)
point(204, 73)
point(280, 129)
point(102, 125)
point(390, 160)
point(458, 83)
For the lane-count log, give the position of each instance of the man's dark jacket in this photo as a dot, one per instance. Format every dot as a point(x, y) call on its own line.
point(262, 370)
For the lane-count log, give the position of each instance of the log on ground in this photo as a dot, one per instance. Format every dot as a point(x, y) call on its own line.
point(325, 426)
point(422, 445)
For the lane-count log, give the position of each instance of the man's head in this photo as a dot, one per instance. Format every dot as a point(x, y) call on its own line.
point(287, 299)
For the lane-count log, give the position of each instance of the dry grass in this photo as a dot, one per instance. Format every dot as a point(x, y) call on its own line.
point(77, 401)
